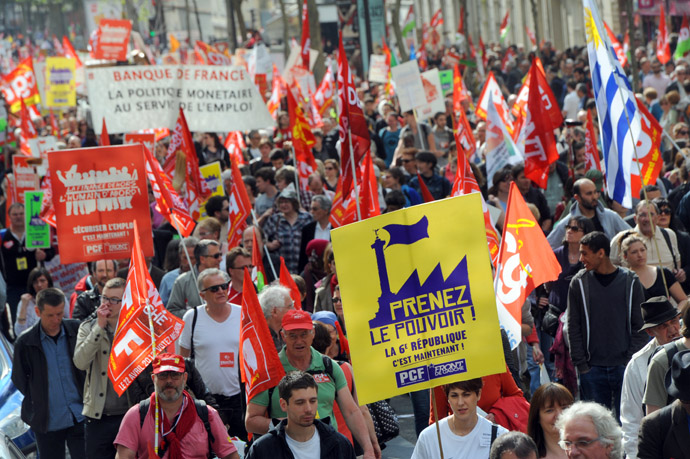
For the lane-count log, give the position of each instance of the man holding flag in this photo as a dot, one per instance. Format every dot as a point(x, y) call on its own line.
point(187, 438)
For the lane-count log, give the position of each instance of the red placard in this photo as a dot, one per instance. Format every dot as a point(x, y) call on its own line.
point(25, 179)
point(111, 39)
point(98, 193)
point(147, 140)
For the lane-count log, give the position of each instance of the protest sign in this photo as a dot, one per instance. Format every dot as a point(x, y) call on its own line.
point(37, 231)
point(60, 82)
point(147, 140)
point(434, 96)
point(211, 173)
point(65, 276)
point(213, 97)
point(111, 39)
point(418, 300)
point(40, 146)
point(446, 77)
point(408, 84)
point(378, 69)
point(24, 177)
point(98, 192)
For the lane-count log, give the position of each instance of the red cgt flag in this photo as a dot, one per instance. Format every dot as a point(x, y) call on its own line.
point(525, 261)
point(649, 148)
point(28, 130)
point(235, 144)
point(70, 52)
point(591, 151)
point(663, 45)
point(259, 361)
point(240, 208)
point(168, 202)
point(142, 310)
point(47, 210)
point(302, 140)
point(211, 54)
point(306, 40)
point(540, 143)
point(286, 280)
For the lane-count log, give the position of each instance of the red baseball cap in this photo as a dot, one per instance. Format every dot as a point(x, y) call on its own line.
point(168, 362)
point(296, 319)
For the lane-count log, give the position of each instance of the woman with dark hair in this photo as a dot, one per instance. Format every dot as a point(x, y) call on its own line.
point(546, 405)
point(464, 433)
point(212, 150)
point(331, 172)
point(39, 279)
point(394, 179)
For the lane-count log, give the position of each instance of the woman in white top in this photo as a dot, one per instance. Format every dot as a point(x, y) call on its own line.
point(464, 434)
point(39, 279)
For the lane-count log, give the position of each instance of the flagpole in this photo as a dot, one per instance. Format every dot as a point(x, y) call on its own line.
point(270, 262)
point(354, 172)
point(153, 350)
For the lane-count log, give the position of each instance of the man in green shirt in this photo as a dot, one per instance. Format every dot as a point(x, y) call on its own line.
point(298, 334)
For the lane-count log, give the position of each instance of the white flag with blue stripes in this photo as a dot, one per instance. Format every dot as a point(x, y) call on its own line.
point(614, 98)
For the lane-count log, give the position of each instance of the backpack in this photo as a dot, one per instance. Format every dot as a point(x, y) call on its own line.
point(671, 349)
point(201, 411)
point(511, 412)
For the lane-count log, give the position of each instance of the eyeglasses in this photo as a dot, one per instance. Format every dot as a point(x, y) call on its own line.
point(215, 288)
point(175, 376)
point(683, 132)
point(113, 301)
point(215, 255)
point(336, 299)
point(665, 211)
point(580, 444)
point(407, 160)
point(573, 228)
point(330, 168)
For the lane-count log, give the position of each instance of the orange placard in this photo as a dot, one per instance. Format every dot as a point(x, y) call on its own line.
point(147, 140)
point(111, 39)
point(98, 193)
point(25, 179)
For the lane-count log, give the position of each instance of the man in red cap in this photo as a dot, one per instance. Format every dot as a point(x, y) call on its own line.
point(181, 432)
point(298, 334)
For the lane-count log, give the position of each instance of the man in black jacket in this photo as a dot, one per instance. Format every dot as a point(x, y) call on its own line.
point(87, 302)
point(301, 431)
point(52, 386)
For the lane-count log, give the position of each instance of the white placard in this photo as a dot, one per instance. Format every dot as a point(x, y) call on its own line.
point(378, 70)
point(408, 85)
point(431, 81)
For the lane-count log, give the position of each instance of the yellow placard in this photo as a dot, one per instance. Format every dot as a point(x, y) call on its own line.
point(418, 298)
point(211, 173)
point(60, 82)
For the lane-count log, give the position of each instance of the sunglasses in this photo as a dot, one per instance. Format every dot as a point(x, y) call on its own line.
point(573, 228)
point(215, 255)
point(407, 160)
point(336, 300)
point(665, 211)
point(215, 288)
point(683, 132)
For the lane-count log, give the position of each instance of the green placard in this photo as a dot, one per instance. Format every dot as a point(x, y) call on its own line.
point(446, 77)
point(37, 231)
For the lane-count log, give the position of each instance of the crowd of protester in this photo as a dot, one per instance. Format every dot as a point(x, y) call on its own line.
point(602, 370)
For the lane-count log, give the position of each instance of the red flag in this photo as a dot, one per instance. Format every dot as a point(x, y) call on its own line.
point(339, 207)
point(142, 309)
point(426, 194)
point(461, 21)
point(648, 146)
point(47, 210)
point(105, 138)
point(491, 87)
point(261, 367)
point(324, 97)
point(353, 125)
point(240, 207)
point(306, 40)
point(197, 188)
point(235, 144)
point(54, 129)
point(617, 48)
point(370, 189)
point(532, 37)
point(168, 202)
point(540, 143)
point(525, 262)
point(11, 198)
point(278, 91)
point(210, 54)
point(302, 141)
point(69, 51)
point(28, 131)
point(485, 58)
point(663, 46)
point(591, 151)
point(436, 19)
point(20, 84)
point(286, 280)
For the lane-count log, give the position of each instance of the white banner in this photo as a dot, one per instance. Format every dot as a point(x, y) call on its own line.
point(214, 98)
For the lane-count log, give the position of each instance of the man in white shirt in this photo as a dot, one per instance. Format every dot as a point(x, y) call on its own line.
point(571, 103)
point(211, 336)
point(657, 79)
point(662, 323)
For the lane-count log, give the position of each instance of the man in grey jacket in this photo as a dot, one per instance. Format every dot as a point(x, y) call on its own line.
point(587, 204)
point(603, 319)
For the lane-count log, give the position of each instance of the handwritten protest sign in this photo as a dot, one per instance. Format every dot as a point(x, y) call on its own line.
point(37, 231)
point(60, 82)
point(213, 97)
point(98, 193)
point(65, 276)
point(433, 95)
point(378, 69)
point(418, 298)
point(409, 85)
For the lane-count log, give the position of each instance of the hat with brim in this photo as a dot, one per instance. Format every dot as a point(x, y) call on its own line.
point(678, 376)
point(656, 311)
